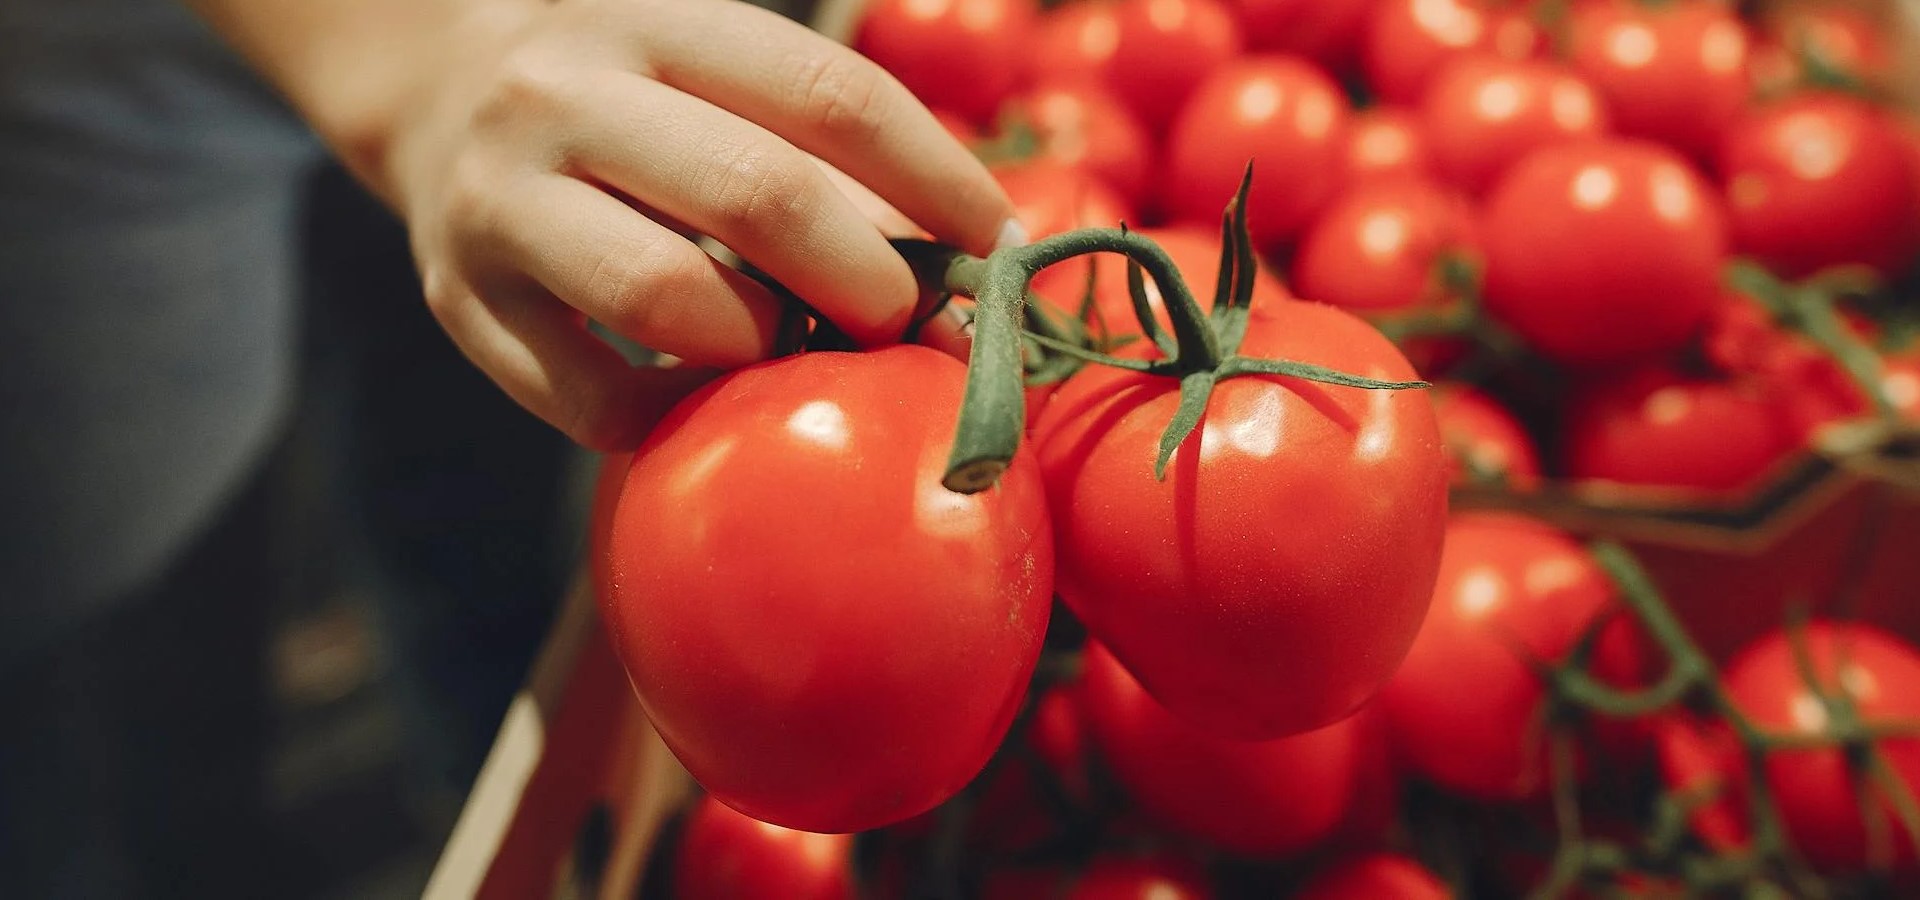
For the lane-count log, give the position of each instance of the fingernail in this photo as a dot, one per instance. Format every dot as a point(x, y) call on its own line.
point(1012, 234)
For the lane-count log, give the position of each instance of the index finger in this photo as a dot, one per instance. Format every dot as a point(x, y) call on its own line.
point(838, 105)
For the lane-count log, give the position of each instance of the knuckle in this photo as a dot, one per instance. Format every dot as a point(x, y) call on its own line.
point(759, 195)
point(526, 87)
point(638, 290)
point(843, 96)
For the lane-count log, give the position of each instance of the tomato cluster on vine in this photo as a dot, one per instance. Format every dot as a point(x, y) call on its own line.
point(1186, 613)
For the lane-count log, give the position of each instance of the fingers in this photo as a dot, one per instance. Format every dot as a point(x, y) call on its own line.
point(541, 354)
point(840, 106)
point(632, 275)
point(749, 189)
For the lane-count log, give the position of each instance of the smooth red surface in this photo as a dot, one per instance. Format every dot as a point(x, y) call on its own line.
point(1657, 427)
point(1483, 113)
point(1282, 113)
point(1385, 142)
point(1602, 251)
point(961, 55)
point(1379, 247)
point(1083, 125)
point(728, 856)
point(1325, 31)
point(1677, 72)
point(1141, 878)
point(1195, 252)
point(1167, 48)
point(825, 636)
point(1408, 41)
point(1464, 709)
point(1294, 537)
point(1476, 428)
point(1378, 876)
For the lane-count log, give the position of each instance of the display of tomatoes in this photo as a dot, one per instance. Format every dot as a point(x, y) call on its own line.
point(1482, 113)
point(960, 55)
point(1484, 442)
point(1280, 113)
point(1294, 536)
point(1602, 251)
point(826, 637)
point(1384, 142)
point(1084, 126)
point(1657, 427)
point(1377, 876)
point(1677, 72)
point(1381, 245)
point(1407, 41)
point(728, 856)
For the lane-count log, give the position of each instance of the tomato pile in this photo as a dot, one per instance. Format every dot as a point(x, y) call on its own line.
point(1163, 594)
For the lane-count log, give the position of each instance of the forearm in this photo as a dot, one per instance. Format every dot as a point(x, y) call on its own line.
point(353, 68)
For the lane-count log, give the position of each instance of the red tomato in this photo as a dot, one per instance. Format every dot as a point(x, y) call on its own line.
point(1676, 73)
point(1166, 49)
point(1259, 798)
point(606, 495)
point(1812, 787)
point(1076, 42)
point(1325, 31)
point(1844, 40)
point(1282, 113)
point(782, 536)
point(1082, 125)
point(1378, 248)
point(1821, 180)
point(1465, 709)
point(1482, 113)
point(1407, 41)
point(727, 856)
point(1267, 543)
point(1481, 436)
point(1385, 142)
point(1604, 250)
point(1196, 253)
point(1013, 814)
point(1656, 427)
point(1141, 878)
point(1049, 198)
point(962, 55)
point(1378, 876)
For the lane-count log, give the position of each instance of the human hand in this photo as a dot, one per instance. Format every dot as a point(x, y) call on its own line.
point(556, 175)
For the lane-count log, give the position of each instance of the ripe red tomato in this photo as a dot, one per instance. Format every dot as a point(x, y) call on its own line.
point(1385, 142)
point(1843, 39)
point(1142, 878)
point(1325, 31)
point(1379, 247)
point(1084, 126)
point(1049, 198)
point(1812, 787)
point(1464, 710)
point(1603, 250)
point(1166, 49)
point(1259, 798)
point(1295, 535)
point(1676, 73)
point(1483, 113)
point(728, 856)
point(1481, 436)
point(606, 494)
point(827, 638)
point(1013, 814)
point(1076, 42)
point(1282, 113)
point(1195, 252)
point(1821, 180)
point(1376, 876)
point(962, 55)
point(1407, 41)
point(1656, 427)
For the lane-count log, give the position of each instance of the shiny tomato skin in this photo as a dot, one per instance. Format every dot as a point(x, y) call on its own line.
point(1076, 43)
point(783, 534)
point(1462, 707)
point(1385, 142)
point(1603, 251)
point(1294, 536)
point(1195, 252)
point(1325, 31)
point(1280, 112)
point(1482, 113)
point(1085, 126)
point(1408, 41)
point(1821, 180)
point(606, 496)
point(1480, 435)
point(1141, 878)
point(1049, 198)
point(725, 855)
point(1166, 49)
point(1375, 876)
point(1811, 786)
point(1677, 73)
point(1656, 427)
point(1379, 246)
point(1256, 798)
point(962, 55)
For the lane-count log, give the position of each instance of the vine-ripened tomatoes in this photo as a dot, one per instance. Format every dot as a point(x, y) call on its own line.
point(1166, 48)
point(961, 55)
point(1407, 41)
point(1604, 250)
point(1259, 798)
point(1281, 113)
point(1812, 787)
point(826, 637)
point(1378, 248)
point(1464, 709)
point(1082, 125)
point(1656, 427)
point(1294, 537)
point(1385, 142)
point(1676, 72)
point(1482, 113)
point(1375, 876)
point(1483, 440)
point(1196, 253)
point(1821, 180)
point(728, 856)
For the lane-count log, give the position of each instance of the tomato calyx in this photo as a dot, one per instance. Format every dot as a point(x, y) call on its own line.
point(1809, 309)
point(1201, 351)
